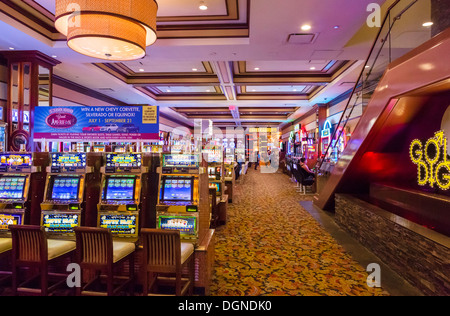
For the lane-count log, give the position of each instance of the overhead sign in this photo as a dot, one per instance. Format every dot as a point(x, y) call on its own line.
point(433, 165)
point(96, 123)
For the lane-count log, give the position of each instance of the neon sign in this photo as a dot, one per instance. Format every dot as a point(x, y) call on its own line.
point(433, 166)
point(326, 132)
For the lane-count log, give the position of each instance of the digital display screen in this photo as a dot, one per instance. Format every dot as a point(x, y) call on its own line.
point(60, 223)
point(124, 160)
point(214, 185)
point(68, 160)
point(119, 224)
point(177, 189)
point(9, 219)
point(12, 187)
point(190, 161)
point(120, 188)
point(17, 160)
point(65, 188)
point(187, 225)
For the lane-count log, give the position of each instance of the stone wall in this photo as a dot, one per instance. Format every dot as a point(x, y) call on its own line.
point(421, 256)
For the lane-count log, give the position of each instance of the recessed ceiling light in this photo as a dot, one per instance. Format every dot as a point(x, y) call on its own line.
point(203, 6)
point(336, 27)
point(256, 68)
point(54, 56)
point(426, 24)
point(168, 90)
point(142, 70)
point(306, 27)
point(194, 69)
point(11, 48)
point(208, 90)
point(313, 68)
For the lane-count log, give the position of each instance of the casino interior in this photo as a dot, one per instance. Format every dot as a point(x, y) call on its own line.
point(225, 148)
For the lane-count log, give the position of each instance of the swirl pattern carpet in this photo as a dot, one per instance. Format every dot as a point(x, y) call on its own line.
point(270, 245)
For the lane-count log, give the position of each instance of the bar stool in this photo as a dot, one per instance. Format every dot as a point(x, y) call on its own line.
point(97, 252)
point(165, 256)
point(32, 249)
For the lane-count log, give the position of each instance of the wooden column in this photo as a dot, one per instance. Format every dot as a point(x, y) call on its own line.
point(29, 85)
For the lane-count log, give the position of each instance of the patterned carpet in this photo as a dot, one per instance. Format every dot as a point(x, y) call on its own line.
point(272, 246)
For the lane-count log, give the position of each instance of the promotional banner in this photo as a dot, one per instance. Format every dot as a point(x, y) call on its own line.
point(96, 123)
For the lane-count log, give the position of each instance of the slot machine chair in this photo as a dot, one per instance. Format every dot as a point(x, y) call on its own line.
point(304, 179)
point(5, 254)
point(96, 251)
point(164, 253)
point(214, 208)
point(32, 249)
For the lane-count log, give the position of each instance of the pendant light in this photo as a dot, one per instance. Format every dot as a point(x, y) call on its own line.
point(116, 30)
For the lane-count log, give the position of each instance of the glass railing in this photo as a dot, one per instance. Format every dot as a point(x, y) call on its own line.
point(405, 26)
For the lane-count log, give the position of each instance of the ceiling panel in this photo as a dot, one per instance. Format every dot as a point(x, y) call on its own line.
point(190, 8)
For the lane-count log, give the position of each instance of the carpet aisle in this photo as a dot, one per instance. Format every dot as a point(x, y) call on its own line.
point(272, 246)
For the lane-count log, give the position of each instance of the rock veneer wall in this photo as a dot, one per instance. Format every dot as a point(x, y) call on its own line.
point(420, 255)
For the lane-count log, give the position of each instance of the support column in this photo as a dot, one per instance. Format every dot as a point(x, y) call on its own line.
point(29, 85)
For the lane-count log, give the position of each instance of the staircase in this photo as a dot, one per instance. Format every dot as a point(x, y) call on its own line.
point(376, 91)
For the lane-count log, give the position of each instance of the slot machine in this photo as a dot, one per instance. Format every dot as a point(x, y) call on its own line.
point(229, 176)
point(179, 202)
point(64, 205)
point(216, 170)
point(15, 196)
point(120, 202)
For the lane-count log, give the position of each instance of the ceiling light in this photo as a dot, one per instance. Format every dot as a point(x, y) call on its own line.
point(108, 29)
point(426, 24)
point(194, 69)
point(141, 70)
point(256, 68)
point(306, 27)
point(336, 27)
point(203, 6)
point(313, 68)
point(54, 56)
point(168, 90)
point(11, 48)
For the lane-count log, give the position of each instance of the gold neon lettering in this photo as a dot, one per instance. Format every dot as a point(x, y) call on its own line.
point(434, 169)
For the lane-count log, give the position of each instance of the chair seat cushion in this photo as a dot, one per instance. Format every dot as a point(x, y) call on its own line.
point(186, 250)
point(122, 249)
point(5, 244)
point(58, 248)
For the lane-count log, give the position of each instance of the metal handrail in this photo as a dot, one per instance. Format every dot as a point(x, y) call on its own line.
point(357, 84)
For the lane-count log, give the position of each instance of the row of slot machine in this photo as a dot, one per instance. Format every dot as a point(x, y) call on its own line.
point(118, 198)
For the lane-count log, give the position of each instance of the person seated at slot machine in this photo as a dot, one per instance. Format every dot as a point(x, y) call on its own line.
point(237, 168)
point(305, 168)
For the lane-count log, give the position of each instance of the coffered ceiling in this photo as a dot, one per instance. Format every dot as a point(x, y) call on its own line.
point(250, 56)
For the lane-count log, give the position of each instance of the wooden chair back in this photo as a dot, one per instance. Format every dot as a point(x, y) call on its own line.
point(29, 245)
point(162, 250)
point(94, 247)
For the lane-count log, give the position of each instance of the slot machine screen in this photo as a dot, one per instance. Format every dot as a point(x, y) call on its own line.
point(17, 160)
point(10, 219)
point(12, 187)
point(60, 223)
point(187, 225)
point(124, 160)
point(120, 188)
point(120, 224)
point(175, 160)
point(65, 188)
point(68, 160)
point(214, 185)
point(177, 189)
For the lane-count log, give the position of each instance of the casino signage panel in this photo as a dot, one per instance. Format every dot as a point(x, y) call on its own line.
point(433, 163)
